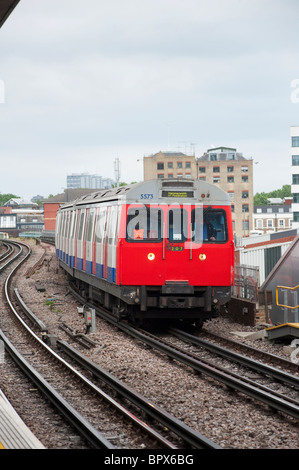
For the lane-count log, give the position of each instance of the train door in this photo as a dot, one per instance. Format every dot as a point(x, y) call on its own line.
point(79, 243)
point(72, 239)
point(176, 243)
point(77, 223)
point(89, 238)
point(105, 243)
point(94, 241)
point(87, 211)
point(99, 237)
point(112, 242)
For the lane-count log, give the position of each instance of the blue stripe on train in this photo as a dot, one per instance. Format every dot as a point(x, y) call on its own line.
point(111, 272)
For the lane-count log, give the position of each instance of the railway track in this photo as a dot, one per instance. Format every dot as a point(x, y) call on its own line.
point(238, 346)
point(233, 381)
point(61, 391)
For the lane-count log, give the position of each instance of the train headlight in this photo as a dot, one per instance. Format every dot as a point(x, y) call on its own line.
point(151, 256)
point(202, 256)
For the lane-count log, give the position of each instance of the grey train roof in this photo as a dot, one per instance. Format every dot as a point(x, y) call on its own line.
point(159, 191)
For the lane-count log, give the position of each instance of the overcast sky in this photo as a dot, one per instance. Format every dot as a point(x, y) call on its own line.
point(88, 82)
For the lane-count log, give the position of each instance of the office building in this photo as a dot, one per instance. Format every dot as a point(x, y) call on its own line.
point(232, 172)
point(87, 181)
point(169, 165)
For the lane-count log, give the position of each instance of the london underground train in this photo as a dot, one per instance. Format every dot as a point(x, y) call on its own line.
point(159, 249)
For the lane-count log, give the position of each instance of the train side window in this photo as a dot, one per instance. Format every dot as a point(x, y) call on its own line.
point(177, 225)
point(112, 225)
point(73, 224)
point(81, 226)
point(90, 226)
point(214, 225)
point(101, 217)
point(144, 224)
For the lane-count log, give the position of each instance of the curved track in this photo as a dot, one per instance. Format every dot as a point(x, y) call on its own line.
point(95, 437)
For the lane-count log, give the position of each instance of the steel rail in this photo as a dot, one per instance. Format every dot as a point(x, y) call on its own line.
point(236, 357)
point(83, 426)
point(194, 438)
point(262, 394)
point(7, 253)
point(93, 436)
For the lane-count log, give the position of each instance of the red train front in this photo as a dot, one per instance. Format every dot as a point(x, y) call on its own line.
point(170, 253)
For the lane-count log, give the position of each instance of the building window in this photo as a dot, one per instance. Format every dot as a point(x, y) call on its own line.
point(230, 169)
point(188, 165)
point(245, 224)
point(244, 179)
point(169, 165)
point(230, 156)
point(295, 216)
point(202, 169)
point(233, 208)
point(259, 210)
point(230, 179)
point(296, 197)
point(216, 169)
point(280, 209)
point(160, 166)
point(231, 194)
point(281, 223)
point(245, 208)
point(244, 169)
point(259, 223)
point(270, 223)
point(295, 160)
point(295, 179)
point(244, 194)
point(202, 178)
point(213, 157)
point(180, 165)
point(269, 210)
point(295, 141)
point(216, 179)
point(161, 175)
point(188, 175)
point(170, 175)
point(180, 175)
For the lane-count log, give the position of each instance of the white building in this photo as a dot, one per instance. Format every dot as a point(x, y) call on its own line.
point(272, 217)
point(295, 174)
point(87, 181)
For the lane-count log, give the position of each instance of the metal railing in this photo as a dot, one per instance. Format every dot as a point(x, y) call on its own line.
point(246, 282)
point(286, 292)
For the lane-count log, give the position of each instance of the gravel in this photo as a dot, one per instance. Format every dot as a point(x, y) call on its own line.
point(228, 418)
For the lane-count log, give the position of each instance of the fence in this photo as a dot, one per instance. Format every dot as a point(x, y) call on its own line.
point(246, 282)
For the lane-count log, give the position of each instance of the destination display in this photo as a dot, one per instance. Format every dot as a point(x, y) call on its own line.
point(177, 194)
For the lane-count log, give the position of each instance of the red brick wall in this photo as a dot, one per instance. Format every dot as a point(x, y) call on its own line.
point(50, 211)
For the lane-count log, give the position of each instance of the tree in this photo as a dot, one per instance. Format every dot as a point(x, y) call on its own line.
point(261, 199)
point(6, 197)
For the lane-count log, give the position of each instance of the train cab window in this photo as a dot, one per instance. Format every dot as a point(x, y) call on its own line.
point(143, 224)
point(209, 225)
point(177, 225)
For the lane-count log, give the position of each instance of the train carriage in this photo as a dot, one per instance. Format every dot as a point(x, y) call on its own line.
point(157, 249)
